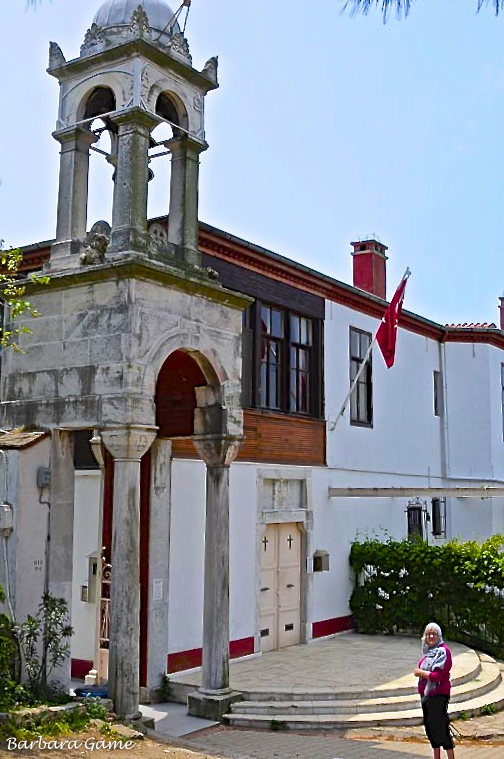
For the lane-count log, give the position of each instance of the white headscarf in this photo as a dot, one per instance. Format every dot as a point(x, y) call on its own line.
point(435, 656)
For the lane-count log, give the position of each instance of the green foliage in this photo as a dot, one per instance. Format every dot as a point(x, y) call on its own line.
point(402, 585)
point(488, 709)
point(94, 709)
point(278, 724)
point(44, 642)
point(74, 721)
point(12, 294)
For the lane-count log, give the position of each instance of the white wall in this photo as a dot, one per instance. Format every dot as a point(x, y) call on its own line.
point(187, 547)
point(405, 437)
point(469, 408)
point(86, 542)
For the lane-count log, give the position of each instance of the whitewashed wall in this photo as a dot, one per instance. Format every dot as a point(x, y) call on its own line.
point(406, 436)
point(86, 542)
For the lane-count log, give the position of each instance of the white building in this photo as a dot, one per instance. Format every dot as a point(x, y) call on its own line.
point(142, 349)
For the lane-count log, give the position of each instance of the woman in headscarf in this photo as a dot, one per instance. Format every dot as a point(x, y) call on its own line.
point(434, 686)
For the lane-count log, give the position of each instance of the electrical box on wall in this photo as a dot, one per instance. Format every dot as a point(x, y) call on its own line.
point(6, 519)
point(43, 477)
point(321, 561)
point(92, 578)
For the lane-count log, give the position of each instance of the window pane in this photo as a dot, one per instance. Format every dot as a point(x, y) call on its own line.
point(306, 331)
point(276, 323)
point(362, 401)
point(303, 359)
point(304, 392)
point(266, 319)
point(295, 329)
point(354, 343)
point(293, 391)
point(262, 388)
point(273, 387)
point(354, 368)
point(353, 406)
point(273, 352)
point(364, 344)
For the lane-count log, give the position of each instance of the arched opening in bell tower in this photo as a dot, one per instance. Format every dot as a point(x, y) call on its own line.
point(171, 109)
point(100, 101)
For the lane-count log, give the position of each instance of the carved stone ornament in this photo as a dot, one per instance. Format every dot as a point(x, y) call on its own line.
point(94, 36)
point(95, 244)
point(180, 46)
point(139, 22)
point(158, 236)
point(210, 69)
point(56, 57)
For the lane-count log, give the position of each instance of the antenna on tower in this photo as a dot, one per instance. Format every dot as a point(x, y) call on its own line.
point(175, 18)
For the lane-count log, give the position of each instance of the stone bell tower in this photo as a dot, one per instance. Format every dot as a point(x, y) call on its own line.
point(134, 72)
point(120, 305)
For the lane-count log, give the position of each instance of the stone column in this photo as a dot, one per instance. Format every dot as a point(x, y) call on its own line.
point(72, 194)
point(127, 446)
point(213, 698)
point(184, 180)
point(59, 571)
point(159, 558)
point(129, 213)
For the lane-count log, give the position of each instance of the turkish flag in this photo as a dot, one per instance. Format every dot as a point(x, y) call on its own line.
point(386, 334)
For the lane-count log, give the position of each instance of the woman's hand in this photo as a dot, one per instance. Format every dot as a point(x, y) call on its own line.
point(420, 673)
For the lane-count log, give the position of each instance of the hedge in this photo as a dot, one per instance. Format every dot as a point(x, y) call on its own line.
point(402, 585)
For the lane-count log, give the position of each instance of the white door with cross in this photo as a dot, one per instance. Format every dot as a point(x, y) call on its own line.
point(280, 600)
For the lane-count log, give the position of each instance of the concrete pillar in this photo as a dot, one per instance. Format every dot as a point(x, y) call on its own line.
point(127, 446)
point(214, 696)
point(72, 194)
point(159, 558)
point(184, 181)
point(129, 213)
point(59, 571)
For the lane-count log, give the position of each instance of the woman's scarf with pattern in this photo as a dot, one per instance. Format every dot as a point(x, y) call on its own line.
point(435, 656)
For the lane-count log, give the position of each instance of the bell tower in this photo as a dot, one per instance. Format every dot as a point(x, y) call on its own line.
point(134, 72)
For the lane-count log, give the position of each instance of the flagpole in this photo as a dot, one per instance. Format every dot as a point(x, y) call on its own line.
point(354, 384)
point(365, 360)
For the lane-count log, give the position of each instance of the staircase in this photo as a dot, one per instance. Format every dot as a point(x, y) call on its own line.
point(477, 690)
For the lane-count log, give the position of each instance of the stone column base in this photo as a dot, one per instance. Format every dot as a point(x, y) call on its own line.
point(209, 706)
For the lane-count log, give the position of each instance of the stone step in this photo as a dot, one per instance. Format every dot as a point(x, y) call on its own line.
point(488, 679)
point(481, 704)
point(468, 670)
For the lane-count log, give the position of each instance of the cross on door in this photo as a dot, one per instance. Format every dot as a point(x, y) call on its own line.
point(290, 540)
point(265, 542)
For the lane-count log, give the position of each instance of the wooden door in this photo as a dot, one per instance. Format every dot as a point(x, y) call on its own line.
point(280, 600)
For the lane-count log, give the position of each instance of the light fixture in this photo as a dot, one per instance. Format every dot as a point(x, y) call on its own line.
point(97, 448)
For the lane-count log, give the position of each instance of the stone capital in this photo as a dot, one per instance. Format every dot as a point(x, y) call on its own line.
point(135, 117)
point(185, 144)
point(217, 450)
point(75, 138)
point(128, 443)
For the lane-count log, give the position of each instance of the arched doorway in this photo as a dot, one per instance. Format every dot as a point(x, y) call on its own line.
point(175, 394)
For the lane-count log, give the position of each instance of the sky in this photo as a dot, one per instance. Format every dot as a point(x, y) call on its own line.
point(325, 129)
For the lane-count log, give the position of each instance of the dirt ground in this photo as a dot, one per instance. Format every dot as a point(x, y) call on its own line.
point(92, 743)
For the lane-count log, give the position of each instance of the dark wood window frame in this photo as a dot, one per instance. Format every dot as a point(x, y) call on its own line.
point(286, 348)
point(361, 401)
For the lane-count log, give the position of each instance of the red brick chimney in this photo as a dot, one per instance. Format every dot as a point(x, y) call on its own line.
point(501, 309)
point(369, 267)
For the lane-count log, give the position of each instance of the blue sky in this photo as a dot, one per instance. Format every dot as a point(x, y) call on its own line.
point(325, 129)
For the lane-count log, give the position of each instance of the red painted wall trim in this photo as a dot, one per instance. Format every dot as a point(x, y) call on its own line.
point(189, 659)
point(79, 668)
point(332, 626)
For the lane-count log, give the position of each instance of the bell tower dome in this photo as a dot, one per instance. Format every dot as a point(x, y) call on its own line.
point(134, 72)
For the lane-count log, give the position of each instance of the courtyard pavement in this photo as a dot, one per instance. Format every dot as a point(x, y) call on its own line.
point(347, 662)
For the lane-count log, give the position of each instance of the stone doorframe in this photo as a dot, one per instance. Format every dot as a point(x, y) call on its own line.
point(287, 499)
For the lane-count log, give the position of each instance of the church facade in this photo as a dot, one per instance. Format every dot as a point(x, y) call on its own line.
point(177, 461)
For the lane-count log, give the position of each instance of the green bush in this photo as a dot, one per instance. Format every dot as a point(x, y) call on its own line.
point(402, 585)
